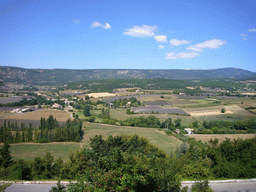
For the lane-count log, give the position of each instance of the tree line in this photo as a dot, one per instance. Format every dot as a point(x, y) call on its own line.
point(227, 127)
point(49, 130)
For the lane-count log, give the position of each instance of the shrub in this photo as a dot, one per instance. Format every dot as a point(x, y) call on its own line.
point(223, 110)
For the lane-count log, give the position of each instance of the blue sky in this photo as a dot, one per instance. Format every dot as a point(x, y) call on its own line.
point(128, 34)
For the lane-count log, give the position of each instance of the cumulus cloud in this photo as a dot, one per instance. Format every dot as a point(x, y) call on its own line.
point(211, 44)
point(244, 35)
point(161, 38)
point(76, 21)
point(97, 24)
point(143, 31)
point(176, 42)
point(181, 55)
point(252, 30)
point(161, 47)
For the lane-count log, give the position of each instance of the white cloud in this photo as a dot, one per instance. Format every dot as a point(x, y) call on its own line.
point(211, 44)
point(161, 47)
point(97, 24)
point(143, 31)
point(244, 35)
point(161, 38)
point(252, 30)
point(181, 55)
point(76, 21)
point(176, 42)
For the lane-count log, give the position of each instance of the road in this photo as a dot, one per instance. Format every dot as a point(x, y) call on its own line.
point(244, 186)
point(222, 186)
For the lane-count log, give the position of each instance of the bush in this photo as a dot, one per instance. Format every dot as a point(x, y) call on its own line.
point(223, 110)
point(201, 186)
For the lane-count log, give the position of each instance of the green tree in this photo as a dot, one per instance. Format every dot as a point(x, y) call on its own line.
point(6, 158)
point(201, 186)
point(58, 188)
point(87, 110)
point(177, 122)
point(223, 110)
point(87, 97)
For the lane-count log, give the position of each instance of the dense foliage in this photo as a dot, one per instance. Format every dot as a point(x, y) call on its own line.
point(121, 163)
point(130, 163)
point(49, 130)
point(225, 127)
point(154, 84)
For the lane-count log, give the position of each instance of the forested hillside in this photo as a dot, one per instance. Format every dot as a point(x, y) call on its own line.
point(63, 76)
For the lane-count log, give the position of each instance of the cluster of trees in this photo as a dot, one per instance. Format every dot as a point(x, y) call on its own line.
point(131, 163)
point(227, 160)
point(121, 163)
point(224, 127)
point(124, 102)
point(152, 122)
point(49, 130)
point(39, 168)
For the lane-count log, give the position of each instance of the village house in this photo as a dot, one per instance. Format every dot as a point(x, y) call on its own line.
point(57, 106)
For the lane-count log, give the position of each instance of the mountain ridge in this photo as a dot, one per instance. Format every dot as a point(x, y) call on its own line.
point(63, 76)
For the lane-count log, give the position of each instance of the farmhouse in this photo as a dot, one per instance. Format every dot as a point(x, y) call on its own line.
point(56, 106)
point(189, 130)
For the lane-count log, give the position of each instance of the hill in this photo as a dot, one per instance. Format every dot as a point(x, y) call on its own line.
point(63, 76)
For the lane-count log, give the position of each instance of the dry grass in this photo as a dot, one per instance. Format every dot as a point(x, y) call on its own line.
point(103, 94)
point(2, 114)
point(210, 111)
point(221, 137)
point(60, 115)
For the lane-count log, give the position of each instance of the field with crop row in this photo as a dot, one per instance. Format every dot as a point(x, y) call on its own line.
point(60, 115)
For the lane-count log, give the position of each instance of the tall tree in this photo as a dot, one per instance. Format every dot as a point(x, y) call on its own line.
point(87, 110)
point(6, 158)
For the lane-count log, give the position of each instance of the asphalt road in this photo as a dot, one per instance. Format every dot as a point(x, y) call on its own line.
point(230, 187)
point(217, 187)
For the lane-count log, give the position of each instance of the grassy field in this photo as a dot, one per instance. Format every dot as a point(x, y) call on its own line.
point(29, 151)
point(60, 115)
point(3, 114)
point(233, 112)
point(221, 137)
point(155, 137)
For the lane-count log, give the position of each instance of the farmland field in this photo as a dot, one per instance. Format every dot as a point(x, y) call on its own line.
point(60, 115)
point(155, 137)
point(233, 112)
point(103, 94)
point(221, 137)
point(120, 114)
point(29, 151)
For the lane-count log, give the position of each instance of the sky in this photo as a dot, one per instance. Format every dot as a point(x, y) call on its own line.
point(128, 34)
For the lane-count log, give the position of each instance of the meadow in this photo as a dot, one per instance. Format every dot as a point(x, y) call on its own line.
point(158, 138)
point(28, 151)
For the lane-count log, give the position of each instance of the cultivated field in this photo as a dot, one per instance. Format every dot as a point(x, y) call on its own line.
point(221, 137)
point(103, 94)
point(29, 151)
point(155, 137)
point(60, 115)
